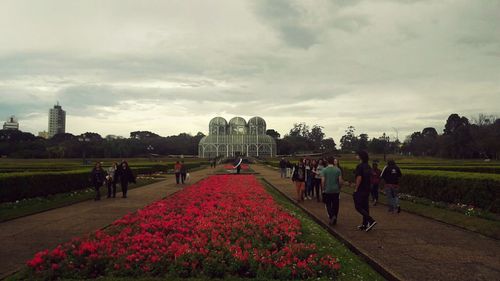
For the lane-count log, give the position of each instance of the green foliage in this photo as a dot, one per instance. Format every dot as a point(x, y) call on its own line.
point(479, 190)
point(19, 185)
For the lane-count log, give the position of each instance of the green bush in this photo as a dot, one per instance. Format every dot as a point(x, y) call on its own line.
point(469, 169)
point(16, 186)
point(479, 190)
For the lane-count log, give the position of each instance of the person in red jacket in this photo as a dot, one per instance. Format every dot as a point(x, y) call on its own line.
point(375, 180)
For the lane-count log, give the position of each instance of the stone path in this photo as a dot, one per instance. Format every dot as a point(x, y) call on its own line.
point(408, 246)
point(22, 238)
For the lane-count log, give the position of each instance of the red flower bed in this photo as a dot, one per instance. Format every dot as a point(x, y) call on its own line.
point(223, 225)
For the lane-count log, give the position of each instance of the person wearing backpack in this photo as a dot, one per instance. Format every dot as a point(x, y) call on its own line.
point(391, 174)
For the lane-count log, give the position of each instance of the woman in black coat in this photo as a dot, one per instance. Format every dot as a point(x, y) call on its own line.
point(97, 176)
point(124, 173)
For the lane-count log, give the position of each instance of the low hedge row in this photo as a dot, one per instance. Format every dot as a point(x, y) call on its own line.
point(468, 169)
point(17, 186)
point(479, 190)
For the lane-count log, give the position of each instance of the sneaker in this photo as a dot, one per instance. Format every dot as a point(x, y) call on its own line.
point(399, 209)
point(362, 227)
point(370, 226)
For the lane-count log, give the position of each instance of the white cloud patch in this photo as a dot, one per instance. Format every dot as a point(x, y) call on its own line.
point(169, 67)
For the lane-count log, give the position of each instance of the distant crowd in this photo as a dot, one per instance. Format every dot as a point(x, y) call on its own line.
point(322, 179)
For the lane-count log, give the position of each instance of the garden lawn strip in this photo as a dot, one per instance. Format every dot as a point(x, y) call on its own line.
point(22, 238)
point(411, 246)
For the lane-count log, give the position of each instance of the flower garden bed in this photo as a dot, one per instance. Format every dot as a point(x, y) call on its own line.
point(223, 226)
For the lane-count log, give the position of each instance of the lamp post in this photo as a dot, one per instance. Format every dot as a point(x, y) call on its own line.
point(84, 140)
point(150, 149)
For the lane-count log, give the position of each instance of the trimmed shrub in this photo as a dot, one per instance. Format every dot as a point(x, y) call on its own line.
point(16, 186)
point(479, 190)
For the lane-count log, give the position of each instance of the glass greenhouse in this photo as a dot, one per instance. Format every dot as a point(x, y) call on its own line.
point(237, 138)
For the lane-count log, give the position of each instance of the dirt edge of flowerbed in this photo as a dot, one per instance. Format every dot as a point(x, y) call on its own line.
point(387, 274)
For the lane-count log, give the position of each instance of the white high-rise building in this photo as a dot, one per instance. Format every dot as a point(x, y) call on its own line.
point(57, 120)
point(11, 124)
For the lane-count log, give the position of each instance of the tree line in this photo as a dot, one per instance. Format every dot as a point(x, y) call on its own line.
point(18, 144)
point(461, 138)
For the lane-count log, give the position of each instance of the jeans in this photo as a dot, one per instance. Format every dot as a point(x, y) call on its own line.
point(97, 191)
point(374, 191)
point(111, 184)
point(332, 204)
point(391, 191)
point(309, 187)
point(183, 177)
point(361, 203)
point(177, 177)
point(283, 172)
point(316, 185)
point(124, 185)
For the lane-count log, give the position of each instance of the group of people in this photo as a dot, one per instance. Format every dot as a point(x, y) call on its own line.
point(323, 179)
point(181, 172)
point(117, 173)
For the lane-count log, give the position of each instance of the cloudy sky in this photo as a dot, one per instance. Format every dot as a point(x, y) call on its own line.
point(170, 66)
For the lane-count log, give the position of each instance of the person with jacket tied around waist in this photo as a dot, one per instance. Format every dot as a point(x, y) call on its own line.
point(391, 174)
point(97, 177)
point(124, 173)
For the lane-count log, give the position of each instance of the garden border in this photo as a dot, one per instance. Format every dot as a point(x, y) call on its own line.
point(374, 264)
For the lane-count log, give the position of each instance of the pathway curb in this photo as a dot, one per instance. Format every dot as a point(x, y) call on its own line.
point(387, 274)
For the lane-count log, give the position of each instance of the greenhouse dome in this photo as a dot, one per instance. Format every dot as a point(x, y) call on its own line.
point(237, 138)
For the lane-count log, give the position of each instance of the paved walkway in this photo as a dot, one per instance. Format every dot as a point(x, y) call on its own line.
point(22, 238)
point(409, 246)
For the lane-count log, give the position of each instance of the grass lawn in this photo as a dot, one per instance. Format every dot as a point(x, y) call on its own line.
point(12, 210)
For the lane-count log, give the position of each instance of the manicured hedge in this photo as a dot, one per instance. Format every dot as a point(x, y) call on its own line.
point(469, 169)
point(17, 186)
point(480, 190)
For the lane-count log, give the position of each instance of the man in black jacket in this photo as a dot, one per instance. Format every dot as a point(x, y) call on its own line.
point(391, 174)
point(361, 193)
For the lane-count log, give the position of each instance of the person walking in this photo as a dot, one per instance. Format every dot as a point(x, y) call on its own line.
point(289, 168)
point(97, 176)
point(331, 183)
point(309, 179)
point(375, 180)
point(391, 174)
point(126, 176)
point(299, 178)
point(184, 171)
point(282, 166)
point(177, 171)
point(362, 191)
point(111, 180)
point(237, 165)
point(317, 179)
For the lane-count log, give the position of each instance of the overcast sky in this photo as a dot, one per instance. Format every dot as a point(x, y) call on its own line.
point(170, 66)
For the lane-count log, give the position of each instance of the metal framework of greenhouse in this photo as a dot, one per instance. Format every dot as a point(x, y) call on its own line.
point(237, 139)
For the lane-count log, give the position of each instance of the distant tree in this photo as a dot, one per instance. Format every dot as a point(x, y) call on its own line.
point(328, 145)
point(316, 136)
point(349, 141)
point(457, 138)
point(141, 135)
point(299, 130)
point(362, 142)
point(272, 133)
